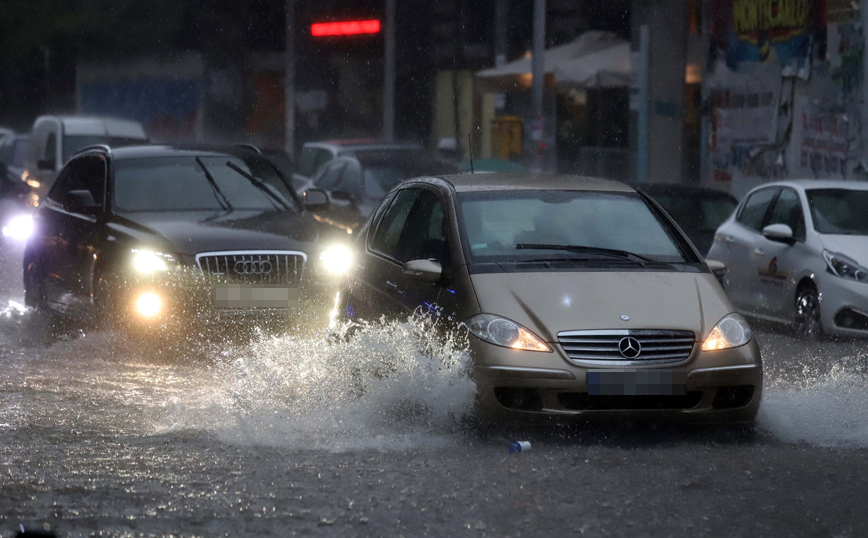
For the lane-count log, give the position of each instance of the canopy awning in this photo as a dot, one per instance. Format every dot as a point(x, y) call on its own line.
point(609, 68)
point(517, 74)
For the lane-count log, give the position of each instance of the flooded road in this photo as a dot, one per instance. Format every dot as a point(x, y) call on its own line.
point(103, 436)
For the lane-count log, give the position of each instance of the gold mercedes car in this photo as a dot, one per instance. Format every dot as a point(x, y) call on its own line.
point(581, 295)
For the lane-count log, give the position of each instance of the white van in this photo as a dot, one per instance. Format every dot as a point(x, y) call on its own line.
point(54, 139)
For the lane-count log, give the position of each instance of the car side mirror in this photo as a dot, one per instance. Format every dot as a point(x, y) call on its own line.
point(316, 200)
point(717, 268)
point(80, 201)
point(45, 164)
point(423, 270)
point(781, 233)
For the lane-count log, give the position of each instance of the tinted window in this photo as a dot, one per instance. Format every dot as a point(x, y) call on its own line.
point(495, 222)
point(388, 232)
point(85, 173)
point(310, 161)
point(351, 181)
point(839, 211)
point(754, 211)
point(330, 176)
point(50, 148)
point(788, 210)
point(180, 183)
point(424, 236)
point(696, 212)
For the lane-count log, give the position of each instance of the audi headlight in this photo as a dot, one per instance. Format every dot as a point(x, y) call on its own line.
point(844, 267)
point(337, 259)
point(148, 261)
point(504, 332)
point(731, 331)
point(19, 228)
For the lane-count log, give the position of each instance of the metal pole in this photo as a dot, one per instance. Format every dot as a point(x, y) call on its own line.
point(500, 7)
point(289, 82)
point(538, 70)
point(389, 83)
point(642, 146)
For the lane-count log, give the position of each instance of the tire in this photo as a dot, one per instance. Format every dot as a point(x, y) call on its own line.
point(806, 319)
point(34, 288)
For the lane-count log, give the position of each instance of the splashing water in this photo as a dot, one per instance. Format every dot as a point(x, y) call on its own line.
point(391, 386)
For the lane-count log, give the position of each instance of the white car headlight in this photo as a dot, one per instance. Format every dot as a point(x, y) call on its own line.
point(504, 332)
point(147, 261)
point(19, 228)
point(731, 331)
point(336, 259)
point(844, 267)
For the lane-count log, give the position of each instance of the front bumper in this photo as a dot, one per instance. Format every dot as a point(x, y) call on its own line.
point(722, 386)
point(843, 306)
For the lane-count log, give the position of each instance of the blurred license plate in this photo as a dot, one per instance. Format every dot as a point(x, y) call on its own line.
point(637, 383)
point(255, 296)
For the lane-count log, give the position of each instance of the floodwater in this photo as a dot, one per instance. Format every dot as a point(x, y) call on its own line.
point(103, 435)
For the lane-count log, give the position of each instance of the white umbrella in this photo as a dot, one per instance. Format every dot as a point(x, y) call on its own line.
point(609, 68)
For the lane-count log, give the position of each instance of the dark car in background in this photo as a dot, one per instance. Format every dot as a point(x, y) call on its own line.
point(697, 210)
point(150, 234)
point(314, 155)
point(355, 185)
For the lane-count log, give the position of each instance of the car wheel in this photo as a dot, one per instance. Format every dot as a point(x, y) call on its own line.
point(34, 288)
point(806, 321)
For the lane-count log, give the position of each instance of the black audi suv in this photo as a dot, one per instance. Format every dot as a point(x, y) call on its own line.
point(156, 234)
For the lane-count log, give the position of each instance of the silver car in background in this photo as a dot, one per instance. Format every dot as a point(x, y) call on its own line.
point(797, 253)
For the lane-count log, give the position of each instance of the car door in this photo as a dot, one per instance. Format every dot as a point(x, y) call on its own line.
point(71, 238)
point(777, 261)
point(742, 240)
point(375, 290)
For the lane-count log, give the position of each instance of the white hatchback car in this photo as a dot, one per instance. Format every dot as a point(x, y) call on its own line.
point(796, 253)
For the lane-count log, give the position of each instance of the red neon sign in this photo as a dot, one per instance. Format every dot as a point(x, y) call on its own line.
point(321, 29)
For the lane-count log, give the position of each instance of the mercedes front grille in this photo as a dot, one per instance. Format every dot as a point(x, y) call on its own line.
point(627, 346)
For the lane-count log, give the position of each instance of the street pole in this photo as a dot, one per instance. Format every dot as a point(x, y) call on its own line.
point(500, 32)
point(289, 81)
point(538, 71)
point(389, 83)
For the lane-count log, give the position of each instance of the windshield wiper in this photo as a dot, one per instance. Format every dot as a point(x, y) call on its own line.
point(221, 198)
point(578, 249)
point(259, 185)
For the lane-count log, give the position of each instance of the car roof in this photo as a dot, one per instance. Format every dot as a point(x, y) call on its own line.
point(147, 151)
point(808, 184)
point(361, 144)
point(522, 181)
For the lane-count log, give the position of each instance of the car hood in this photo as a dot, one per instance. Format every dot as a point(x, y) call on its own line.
point(551, 302)
point(194, 232)
point(852, 246)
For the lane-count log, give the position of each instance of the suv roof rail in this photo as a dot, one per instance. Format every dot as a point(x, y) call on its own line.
point(250, 147)
point(105, 148)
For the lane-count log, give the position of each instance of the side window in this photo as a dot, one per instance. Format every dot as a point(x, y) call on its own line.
point(754, 211)
point(323, 156)
point(351, 180)
point(388, 232)
point(51, 148)
point(425, 237)
point(307, 162)
point(788, 210)
point(330, 176)
point(86, 173)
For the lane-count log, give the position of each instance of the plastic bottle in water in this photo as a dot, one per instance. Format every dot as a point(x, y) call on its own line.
point(519, 446)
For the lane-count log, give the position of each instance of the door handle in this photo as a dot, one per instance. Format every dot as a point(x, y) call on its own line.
point(758, 251)
point(391, 286)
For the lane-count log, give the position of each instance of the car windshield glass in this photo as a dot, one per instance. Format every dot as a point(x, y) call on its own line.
point(73, 143)
point(839, 211)
point(180, 184)
point(696, 212)
point(495, 222)
point(382, 171)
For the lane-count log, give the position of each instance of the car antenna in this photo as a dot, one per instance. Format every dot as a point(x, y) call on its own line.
point(470, 147)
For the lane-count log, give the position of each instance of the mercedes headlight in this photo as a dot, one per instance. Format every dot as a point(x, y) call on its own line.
point(337, 259)
point(19, 228)
point(844, 267)
point(731, 331)
point(500, 331)
point(148, 261)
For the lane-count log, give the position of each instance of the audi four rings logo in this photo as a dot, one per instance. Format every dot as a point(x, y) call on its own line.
point(629, 347)
point(258, 267)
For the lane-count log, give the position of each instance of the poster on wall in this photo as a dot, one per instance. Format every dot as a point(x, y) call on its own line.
point(827, 138)
point(786, 32)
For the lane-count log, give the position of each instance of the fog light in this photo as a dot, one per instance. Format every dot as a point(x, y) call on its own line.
point(149, 304)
